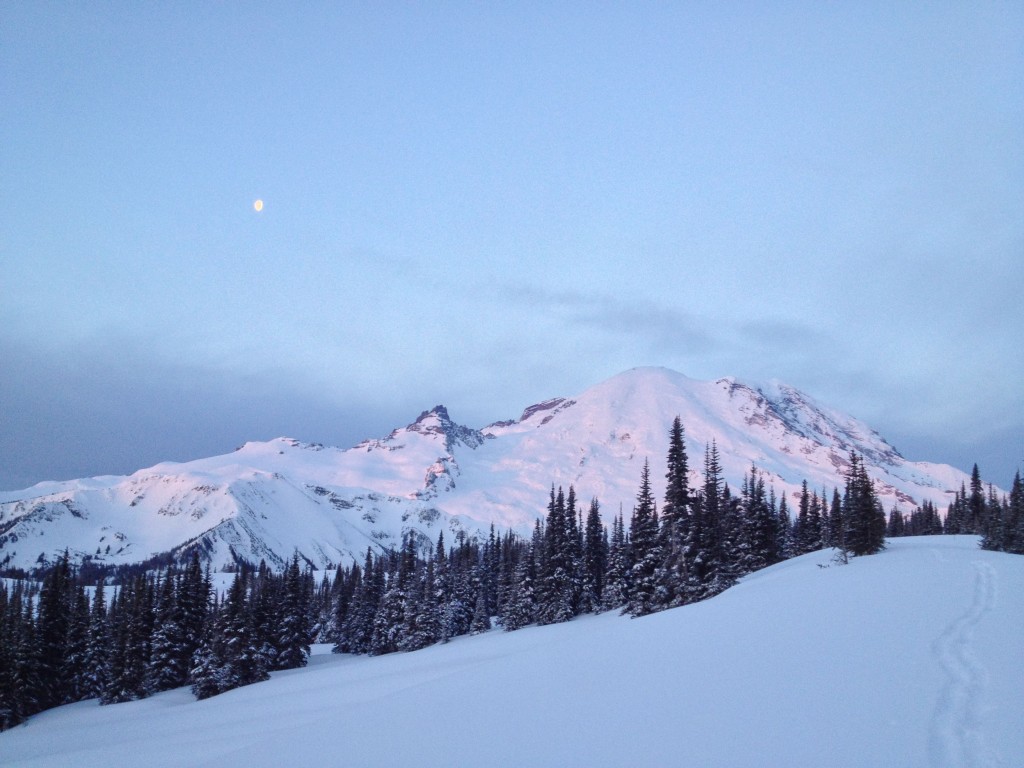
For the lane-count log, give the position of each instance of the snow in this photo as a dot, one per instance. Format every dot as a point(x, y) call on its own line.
point(269, 499)
point(907, 658)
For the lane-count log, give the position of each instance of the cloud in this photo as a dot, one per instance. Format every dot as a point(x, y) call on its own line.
point(112, 407)
point(657, 326)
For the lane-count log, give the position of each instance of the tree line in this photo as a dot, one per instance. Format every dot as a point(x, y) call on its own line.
point(171, 628)
point(156, 632)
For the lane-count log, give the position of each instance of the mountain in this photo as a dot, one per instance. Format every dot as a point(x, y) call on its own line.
point(269, 499)
point(908, 658)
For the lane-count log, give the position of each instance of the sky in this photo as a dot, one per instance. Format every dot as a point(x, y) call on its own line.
point(487, 205)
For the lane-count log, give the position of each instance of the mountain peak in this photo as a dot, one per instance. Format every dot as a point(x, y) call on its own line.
point(275, 497)
point(438, 411)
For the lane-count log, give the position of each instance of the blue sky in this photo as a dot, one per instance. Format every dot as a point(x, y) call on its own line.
point(487, 205)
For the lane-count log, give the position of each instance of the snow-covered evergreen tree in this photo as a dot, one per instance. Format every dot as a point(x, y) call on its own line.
point(646, 550)
point(863, 517)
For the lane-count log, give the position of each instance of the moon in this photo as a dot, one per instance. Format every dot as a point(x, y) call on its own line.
point(258, 206)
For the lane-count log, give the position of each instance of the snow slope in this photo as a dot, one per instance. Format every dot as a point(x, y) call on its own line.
point(266, 500)
point(908, 658)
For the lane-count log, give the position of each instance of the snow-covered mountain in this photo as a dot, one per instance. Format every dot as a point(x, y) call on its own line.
point(909, 658)
point(269, 499)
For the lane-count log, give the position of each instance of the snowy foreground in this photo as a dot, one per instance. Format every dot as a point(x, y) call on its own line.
point(914, 657)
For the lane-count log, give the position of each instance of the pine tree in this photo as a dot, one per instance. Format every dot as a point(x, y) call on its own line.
point(957, 514)
point(520, 608)
point(481, 620)
point(357, 634)
point(127, 659)
point(784, 532)
point(208, 670)
point(166, 668)
point(55, 602)
point(995, 520)
point(595, 560)
point(294, 630)
point(707, 551)
point(19, 682)
point(616, 585)
point(77, 647)
point(758, 526)
point(975, 522)
point(422, 620)
point(245, 661)
point(836, 525)
point(896, 526)
point(573, 551)
point(26, 671)
point(555, 590)
point(672, 572)
point(389, 617)
point(862, 513)
point(643, 534)
point(1014, 530)
point(194, 592)
point(815, 534)
point(97, 646)
point(6, 659)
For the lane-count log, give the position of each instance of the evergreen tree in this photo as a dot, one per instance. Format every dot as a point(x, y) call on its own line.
point(128, 657)
point(896, 526)
point(97, 646)
point(7, 633)
point(481, 620)
point(707, 550)
point(616, 583)
point(422, 620)
point(520, 608)
point(672, 572)
point(643, 534)
point(193, 595)
point(836, 524)
point(77, 647)
point(957, 515)
point(244, 660)
point(357, 634)
point(389, 617)
point(55, 604)
point(758, 526)
point(1014, 530)
point(995, 518)
point(166, 668)
point(207, 673)
point(555, 591)
point(294, 630)
point(27, 686)
point(784, 532)
point(573, 551)
point(862, 513)
point(595, 557)
point(975, 510)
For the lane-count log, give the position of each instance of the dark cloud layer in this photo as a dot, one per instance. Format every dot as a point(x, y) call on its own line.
point(111, 410)
point(115, 407)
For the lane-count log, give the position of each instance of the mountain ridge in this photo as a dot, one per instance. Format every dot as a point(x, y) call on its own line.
point(269, 499)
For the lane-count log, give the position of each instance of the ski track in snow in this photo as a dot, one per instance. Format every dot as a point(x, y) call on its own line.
point(955, 737)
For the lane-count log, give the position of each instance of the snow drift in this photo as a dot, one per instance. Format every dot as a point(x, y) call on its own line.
point(907, 658)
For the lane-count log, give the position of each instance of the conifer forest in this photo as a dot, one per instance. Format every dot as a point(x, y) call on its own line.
point(70, 634)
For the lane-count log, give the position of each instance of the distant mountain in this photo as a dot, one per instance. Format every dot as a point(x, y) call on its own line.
point(269, 499)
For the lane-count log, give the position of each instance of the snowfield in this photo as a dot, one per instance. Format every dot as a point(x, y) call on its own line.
point(912, 657)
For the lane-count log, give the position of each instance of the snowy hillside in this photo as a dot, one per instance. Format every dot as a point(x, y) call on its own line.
point(908, 658)
point(266, 500)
